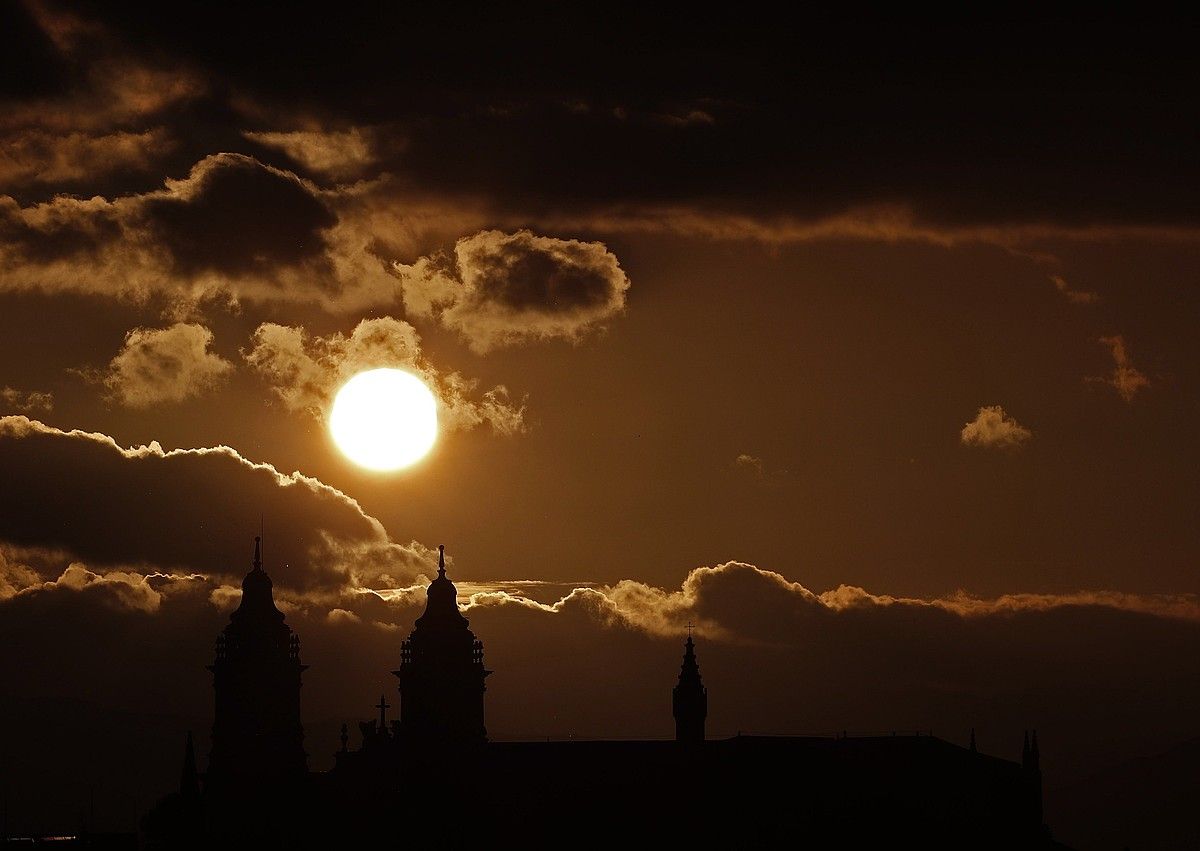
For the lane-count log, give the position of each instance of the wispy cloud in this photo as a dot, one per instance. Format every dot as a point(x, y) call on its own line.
point(157, 365)
point(994, 429)
point(1073, 295)
point(1125, 378)
point(27, 401)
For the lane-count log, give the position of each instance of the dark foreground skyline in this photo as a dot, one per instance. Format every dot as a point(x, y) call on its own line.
point(435, 756)
point(868, 347)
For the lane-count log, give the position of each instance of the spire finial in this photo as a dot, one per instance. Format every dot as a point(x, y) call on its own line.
point(441, 561)
point(257, 552)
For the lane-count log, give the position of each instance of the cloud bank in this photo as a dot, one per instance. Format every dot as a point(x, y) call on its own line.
point(189, 510)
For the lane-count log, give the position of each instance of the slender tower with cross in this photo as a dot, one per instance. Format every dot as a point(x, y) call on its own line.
point(689, 701)
point(441, 673)
point(383, 706)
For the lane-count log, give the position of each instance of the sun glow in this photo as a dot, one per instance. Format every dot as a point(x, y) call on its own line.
point(384, 419)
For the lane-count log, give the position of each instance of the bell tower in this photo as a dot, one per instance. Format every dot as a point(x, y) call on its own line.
point(441, 673)
point(689, 698)
point(257, 734)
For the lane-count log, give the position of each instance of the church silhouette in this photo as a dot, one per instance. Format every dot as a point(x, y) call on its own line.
point(431, 776)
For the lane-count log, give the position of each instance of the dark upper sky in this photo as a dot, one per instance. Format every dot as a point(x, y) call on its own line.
point(885, 303)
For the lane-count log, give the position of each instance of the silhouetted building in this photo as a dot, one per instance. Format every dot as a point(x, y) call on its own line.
point(689, 699)
point(746, 791)
point(441, 673)
point(257, 735)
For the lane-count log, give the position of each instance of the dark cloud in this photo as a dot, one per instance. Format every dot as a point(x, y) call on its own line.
point(500, 289)
point(189, 509)
point(87, 109)
point(655, 112)
point(232, 229)
point(234, 216)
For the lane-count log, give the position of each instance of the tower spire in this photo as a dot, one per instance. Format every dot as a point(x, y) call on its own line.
point(189, 783)
point(441, 561)
point(689, 698)
point(257, 552)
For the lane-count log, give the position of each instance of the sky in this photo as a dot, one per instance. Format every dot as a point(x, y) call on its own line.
point(868, 349)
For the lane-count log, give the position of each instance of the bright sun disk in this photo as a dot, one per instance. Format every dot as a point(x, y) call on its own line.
point(384, 419)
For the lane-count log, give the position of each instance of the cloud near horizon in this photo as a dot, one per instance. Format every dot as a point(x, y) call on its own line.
point(776, 657)
point(740, 602)
point(734, 602)
point(324, 551)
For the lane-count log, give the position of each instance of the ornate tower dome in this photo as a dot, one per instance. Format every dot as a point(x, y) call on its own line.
point(257, 732)
point(441, 673)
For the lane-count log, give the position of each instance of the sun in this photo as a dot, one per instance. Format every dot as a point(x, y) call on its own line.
point(384, 419)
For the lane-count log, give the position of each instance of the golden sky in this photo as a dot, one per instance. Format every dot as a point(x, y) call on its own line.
point(874, 354)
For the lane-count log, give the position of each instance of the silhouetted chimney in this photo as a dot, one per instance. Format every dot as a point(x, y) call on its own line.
point(689, 698)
